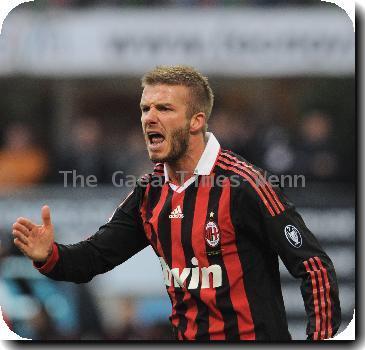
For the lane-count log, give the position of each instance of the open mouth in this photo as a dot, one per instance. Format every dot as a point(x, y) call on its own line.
point(155, 138)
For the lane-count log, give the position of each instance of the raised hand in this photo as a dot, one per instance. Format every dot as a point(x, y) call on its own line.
point(35, 241)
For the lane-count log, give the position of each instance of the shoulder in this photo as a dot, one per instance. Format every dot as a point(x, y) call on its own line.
point(151, 183)
point(158, 170)
point(231, 163)
point(252, 184)
point(139, 189)
point(156, 175)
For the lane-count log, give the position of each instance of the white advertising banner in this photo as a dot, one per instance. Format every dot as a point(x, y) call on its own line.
point(232, 42)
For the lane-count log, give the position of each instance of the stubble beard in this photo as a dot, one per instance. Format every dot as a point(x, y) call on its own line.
point(179, 145)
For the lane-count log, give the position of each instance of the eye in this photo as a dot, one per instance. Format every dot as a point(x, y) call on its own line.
point(145, 109)
point(164, 108)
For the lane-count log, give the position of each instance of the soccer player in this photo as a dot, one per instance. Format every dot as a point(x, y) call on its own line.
point(215, 223)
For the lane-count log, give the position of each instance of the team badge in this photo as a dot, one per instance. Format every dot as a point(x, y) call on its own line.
point(212, 234)
point(292, 234)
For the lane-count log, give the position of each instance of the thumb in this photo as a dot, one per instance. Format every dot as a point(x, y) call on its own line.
point(46, 216)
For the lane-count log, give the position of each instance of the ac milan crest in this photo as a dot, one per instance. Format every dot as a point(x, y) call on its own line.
point(212, 233)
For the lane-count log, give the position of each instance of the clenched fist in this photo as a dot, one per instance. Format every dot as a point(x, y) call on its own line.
point(35, 241)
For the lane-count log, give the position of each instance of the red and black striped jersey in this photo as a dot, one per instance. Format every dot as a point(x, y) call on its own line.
point(218, 238)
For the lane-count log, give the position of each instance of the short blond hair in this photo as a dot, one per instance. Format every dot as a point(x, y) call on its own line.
point(201, 94)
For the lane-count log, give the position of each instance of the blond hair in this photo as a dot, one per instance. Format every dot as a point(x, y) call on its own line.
point(201, 94)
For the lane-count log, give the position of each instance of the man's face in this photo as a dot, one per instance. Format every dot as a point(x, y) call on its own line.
point(164, 121)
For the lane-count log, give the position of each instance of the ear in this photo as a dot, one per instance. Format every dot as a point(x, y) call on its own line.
point(197, 122)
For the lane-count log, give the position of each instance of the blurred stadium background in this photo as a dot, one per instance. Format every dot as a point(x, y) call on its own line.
point(283, 75)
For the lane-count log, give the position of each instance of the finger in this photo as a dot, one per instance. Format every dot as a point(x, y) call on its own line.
point(46, 216)
point(21, 228)
point(21, 237)
point(21, 246)
point(27, 223)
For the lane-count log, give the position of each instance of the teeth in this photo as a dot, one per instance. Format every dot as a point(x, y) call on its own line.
point(155, 138)
point(154, 141)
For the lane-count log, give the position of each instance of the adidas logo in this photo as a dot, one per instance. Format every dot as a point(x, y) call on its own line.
point(176, 213)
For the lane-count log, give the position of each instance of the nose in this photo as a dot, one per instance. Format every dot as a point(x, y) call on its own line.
point(150, 117)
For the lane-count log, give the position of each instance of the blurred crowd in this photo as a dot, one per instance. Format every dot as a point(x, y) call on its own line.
point(22, 161)
point(310, 149)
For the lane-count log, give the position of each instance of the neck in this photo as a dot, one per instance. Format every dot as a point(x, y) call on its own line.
point(183, 169)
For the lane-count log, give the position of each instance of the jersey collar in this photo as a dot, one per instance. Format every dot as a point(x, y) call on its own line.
point(208, 158)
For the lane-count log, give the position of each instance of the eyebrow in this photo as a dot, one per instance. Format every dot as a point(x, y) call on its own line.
point(157, 105)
